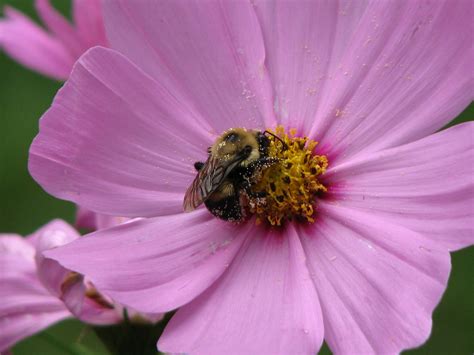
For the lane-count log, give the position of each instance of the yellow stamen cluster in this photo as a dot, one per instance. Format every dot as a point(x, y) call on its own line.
point(291, 185)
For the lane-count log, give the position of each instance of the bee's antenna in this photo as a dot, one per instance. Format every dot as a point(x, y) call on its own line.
point(285, 146)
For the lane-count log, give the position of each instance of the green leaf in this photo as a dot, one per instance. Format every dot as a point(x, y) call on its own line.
point(69, 337)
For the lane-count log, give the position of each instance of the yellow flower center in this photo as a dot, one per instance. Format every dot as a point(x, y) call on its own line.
point(291, 185)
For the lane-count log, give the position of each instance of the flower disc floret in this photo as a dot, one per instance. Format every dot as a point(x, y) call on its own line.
point(291, 186)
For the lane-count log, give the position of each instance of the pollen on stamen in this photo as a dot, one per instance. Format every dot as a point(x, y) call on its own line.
point(291, 186)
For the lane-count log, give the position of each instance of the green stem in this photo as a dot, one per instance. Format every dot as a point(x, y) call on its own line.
point(132, 338)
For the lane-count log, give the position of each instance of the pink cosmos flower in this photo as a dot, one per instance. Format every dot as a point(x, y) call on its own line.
point(37, 292)
point(371, 82)
point(52, 52)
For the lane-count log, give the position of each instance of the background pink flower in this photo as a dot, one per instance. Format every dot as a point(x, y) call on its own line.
point(52, 51)
point(34, 294)
point(26, 306)
point(370, 82)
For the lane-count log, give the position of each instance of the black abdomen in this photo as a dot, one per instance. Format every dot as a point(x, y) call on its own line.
point(228, 208)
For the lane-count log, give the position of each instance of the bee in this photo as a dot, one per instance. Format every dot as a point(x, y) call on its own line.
point(224, 181)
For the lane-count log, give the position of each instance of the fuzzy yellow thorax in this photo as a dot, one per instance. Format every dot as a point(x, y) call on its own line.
point(292, 184)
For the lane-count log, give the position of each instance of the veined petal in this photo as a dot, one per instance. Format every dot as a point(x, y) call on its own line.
point(378, 282)
point(356, 76)
point(174, 259)
point(211, 59)
point(404, 72)
point(304, 40)
point(426, 186)
point(116, 142)
point(31, 46)
point(265, 303)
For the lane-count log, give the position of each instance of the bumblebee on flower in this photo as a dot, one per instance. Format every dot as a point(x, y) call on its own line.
point(236, 179)
point(350, 244)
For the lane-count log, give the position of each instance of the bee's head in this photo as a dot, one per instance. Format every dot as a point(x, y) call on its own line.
point(238, 143)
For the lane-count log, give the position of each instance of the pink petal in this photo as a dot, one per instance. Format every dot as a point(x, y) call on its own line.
point(26, 307)
point(31, 46)
point(92, 221)
point(105, 221)
point(22, 293)
point(57, 279)
point(361, 78)
point(418, 76)
point(15, 247)
point(158, 264)
point(88, 309)
point(50, 236)
point(89, 22)
point(19, 326)
point(60, 28)
point(210, 55)
point(426, 186)
point(116, 142)
point(265, 303)
point(85, 219)
point(304, 40)
point(378, 282)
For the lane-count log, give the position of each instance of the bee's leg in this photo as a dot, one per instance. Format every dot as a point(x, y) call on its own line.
point(247, 187)
point(198, 165)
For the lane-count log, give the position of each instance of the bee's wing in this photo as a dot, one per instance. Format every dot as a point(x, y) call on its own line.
point(209, 178)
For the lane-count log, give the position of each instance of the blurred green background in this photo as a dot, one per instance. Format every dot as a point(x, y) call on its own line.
point(25, 95)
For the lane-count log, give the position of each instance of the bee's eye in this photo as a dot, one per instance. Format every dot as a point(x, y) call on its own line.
point(231, 137)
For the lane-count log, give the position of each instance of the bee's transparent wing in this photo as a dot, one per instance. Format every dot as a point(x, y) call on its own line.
point(209, 178)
